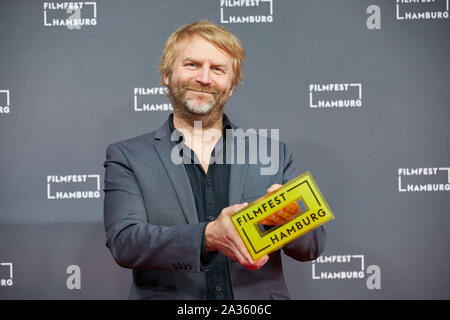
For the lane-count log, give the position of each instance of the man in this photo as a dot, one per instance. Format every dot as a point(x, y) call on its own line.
point(170, 221)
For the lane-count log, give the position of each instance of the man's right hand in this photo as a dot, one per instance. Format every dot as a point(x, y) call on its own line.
point(220, 235)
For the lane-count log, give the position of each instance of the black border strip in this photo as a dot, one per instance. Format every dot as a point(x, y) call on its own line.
point(309, 189)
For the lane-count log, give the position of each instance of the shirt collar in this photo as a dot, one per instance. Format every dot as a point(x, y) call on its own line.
point(226, 125)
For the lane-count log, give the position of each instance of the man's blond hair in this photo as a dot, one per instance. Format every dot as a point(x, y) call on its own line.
point(217, 35)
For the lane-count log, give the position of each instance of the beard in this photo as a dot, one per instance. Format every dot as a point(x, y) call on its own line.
point(195, 102)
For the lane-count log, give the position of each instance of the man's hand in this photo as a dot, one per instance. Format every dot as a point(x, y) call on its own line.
point(220, 235)
point(284, 215)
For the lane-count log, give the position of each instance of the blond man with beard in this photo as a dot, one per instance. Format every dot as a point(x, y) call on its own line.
point(169, 221)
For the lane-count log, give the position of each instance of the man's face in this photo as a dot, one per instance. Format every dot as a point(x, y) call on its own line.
point(201, 77)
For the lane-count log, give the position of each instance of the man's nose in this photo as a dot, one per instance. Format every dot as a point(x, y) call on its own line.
point(203, 76)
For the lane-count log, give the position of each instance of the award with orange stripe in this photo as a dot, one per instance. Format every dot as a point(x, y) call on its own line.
point(299, 202)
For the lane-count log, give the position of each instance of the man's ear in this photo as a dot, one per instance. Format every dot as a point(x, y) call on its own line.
point(231, 90)
point(165, 78)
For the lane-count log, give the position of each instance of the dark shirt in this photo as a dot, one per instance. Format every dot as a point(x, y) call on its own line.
point(211, 196)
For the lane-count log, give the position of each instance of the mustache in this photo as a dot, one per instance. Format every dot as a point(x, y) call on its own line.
point(196, 87)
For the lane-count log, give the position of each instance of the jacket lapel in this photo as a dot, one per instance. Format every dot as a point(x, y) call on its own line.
point(238, 172)
point(177, 174)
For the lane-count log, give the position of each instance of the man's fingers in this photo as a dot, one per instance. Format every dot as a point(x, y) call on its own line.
point(255, 265)
point(274, 187)
point(247, 260)
point(234, 208)
point(237, 246)
point(233, 246)
point(241, 253)
point(262, 261)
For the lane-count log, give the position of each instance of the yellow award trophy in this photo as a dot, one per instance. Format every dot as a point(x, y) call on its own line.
point(299, 199)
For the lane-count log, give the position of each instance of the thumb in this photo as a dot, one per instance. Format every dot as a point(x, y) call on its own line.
point(234, 208)
point(274, 187)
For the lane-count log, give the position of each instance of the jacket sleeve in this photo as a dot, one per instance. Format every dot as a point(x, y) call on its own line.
point(133, 241)
point(309, 246)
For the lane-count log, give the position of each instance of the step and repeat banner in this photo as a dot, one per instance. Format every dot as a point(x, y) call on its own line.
point(359, 90)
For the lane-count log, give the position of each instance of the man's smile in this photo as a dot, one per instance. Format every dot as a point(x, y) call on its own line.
point(200, 91)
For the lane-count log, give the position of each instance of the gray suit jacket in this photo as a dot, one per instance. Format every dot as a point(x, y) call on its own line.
point(152, 226)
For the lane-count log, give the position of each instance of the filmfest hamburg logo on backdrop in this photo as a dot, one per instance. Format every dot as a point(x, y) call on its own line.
point(246, 11)
point(151, 99)
point(335, 95)
point(6, 274)
point(73, 186)
point(423, 179)
point(346, 267)
point(4, 101)
point(73, 15)
point(422, 9)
